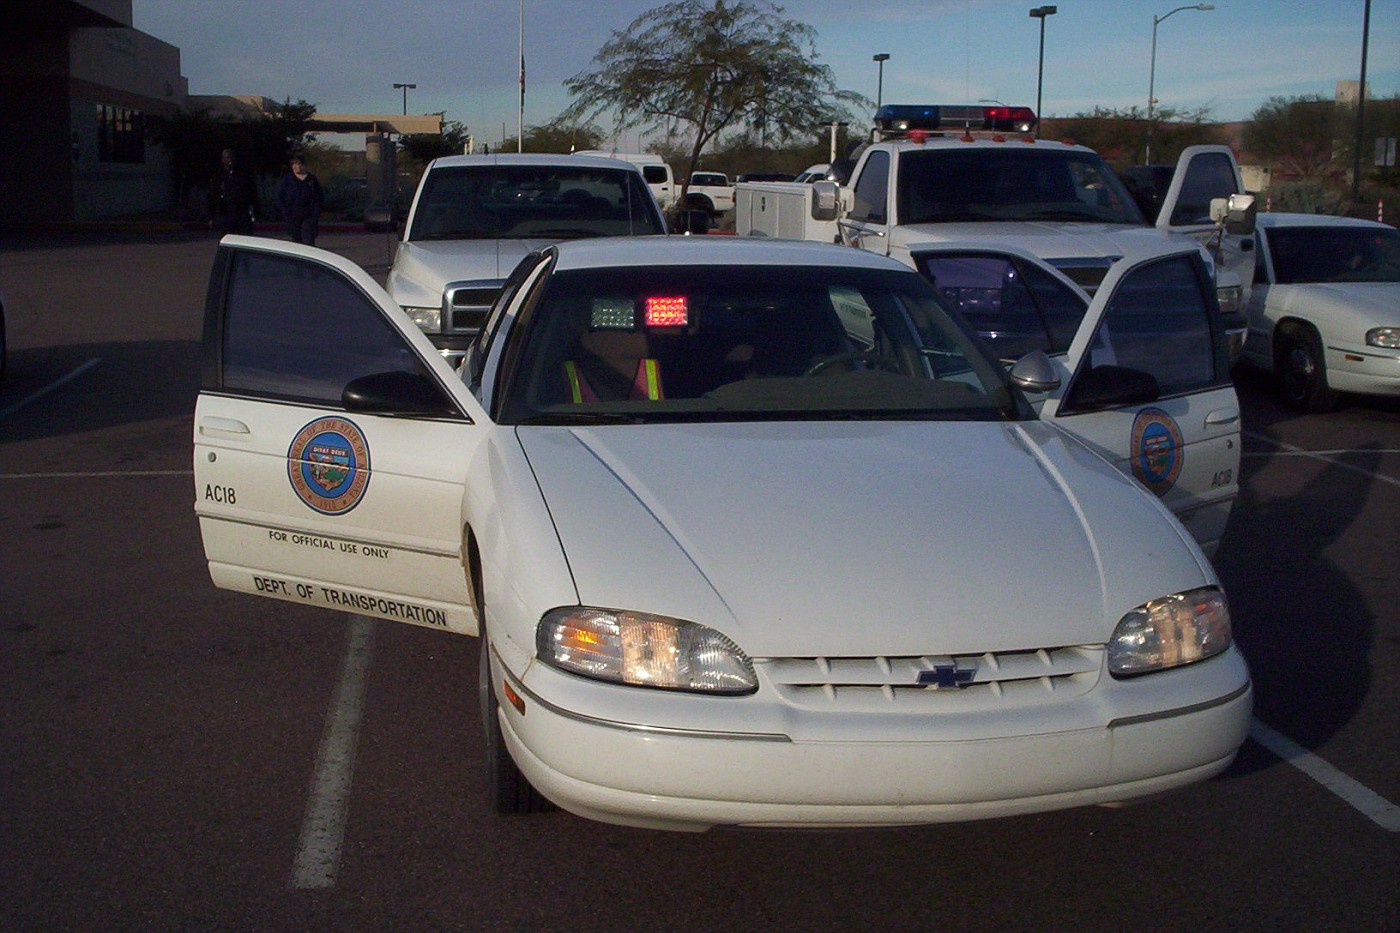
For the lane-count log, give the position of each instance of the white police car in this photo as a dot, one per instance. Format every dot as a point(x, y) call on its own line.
point(1325, 313)
point(753, 533)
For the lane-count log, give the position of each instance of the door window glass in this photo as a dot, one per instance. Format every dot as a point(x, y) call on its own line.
point(1013, 305)
point(1158, 322)
point(298, 330)
point(872, 189)
point(1209, 175)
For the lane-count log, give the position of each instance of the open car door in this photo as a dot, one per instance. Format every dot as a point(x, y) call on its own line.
point(1204, 173)
point(1142, 368)
point(331, 441)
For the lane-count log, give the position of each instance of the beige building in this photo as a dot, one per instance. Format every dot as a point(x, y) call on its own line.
point(77, 87)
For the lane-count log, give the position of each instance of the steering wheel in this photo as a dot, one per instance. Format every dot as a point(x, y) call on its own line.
point(868, 357)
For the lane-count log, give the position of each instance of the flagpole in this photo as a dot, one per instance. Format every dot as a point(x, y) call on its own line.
point(520, 137)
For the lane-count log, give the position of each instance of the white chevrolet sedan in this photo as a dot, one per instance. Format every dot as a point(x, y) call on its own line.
point(753, 533)
point(1324, 315)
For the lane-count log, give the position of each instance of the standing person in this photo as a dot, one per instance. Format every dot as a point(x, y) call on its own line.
point(299, 196)
point(233, 196)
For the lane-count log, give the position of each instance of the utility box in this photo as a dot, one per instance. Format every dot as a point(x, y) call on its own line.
point(381, 178)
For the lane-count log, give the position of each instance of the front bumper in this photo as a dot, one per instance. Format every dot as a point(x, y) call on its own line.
point(693, 779)
point(1363, 370)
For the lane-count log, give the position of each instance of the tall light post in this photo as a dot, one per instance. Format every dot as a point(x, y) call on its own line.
point(882, 57)
point(405, 95)
point(1040, 13)
point(1152, 71)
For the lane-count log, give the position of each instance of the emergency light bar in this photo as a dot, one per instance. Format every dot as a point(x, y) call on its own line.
point(900, 118)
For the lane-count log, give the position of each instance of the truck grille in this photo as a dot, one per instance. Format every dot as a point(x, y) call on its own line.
point(468, 303)
point(952, 683)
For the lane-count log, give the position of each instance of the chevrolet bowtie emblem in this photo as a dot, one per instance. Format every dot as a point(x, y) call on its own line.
point(947, 675)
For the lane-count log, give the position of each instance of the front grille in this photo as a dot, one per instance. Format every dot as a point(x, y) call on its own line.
point(468, 305)
point(998, 680)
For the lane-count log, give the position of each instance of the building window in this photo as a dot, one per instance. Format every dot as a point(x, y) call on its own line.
point(121, 134)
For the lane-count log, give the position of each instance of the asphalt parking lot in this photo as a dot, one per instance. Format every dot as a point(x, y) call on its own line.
point(174, 756)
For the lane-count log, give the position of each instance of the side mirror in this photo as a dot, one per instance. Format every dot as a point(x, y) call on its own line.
point(826, 200)
point(396, 393)
point(1035, 373)
point(1112, 386)
point(1235, 213)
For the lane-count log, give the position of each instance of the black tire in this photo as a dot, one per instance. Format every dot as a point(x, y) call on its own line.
point(1301, 369)
point(507, 789)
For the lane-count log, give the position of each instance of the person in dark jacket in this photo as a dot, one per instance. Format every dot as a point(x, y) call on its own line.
point(299, 196)
point(233, 198)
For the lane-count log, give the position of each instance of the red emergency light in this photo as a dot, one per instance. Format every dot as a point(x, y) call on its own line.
point(667, 312)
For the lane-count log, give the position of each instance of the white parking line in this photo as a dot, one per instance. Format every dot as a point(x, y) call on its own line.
point(1372, 805)
point(323, 828)
point(1324, 457)
point(6, 412)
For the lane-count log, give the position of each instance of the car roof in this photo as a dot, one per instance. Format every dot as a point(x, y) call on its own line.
point(560, 159)
point(610, 252)
point(1284, 219)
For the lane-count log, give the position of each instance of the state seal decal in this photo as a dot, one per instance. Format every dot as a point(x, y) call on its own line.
point(328, 465)
point(1157, 450)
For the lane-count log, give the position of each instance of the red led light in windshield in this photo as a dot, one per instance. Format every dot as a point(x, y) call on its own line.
point(666, 312)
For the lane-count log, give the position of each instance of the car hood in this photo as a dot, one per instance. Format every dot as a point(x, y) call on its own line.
point(859, 539)
point(1373, 304)
point(422, 268)
point(1050, 240)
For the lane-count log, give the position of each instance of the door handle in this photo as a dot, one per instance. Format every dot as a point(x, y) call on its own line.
point(223, 427)
point(1223, 416)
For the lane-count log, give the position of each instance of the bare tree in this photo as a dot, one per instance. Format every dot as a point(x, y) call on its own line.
point(706, 67)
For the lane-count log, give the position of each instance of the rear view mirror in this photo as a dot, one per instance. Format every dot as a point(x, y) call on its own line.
point(1235, 213)
point(396, 393)
point(826, 198)
point(1035, 373)
point(1111, 387)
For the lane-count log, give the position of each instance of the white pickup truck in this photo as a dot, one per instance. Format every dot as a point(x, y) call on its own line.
point(710, 192)
point(1046, 255)
point(928, 179)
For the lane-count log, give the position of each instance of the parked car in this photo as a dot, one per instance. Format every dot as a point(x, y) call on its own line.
point(1325, 314)
point(752, 533)
point(474, 217)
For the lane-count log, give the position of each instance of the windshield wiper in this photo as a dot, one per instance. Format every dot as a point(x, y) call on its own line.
point(579, 417)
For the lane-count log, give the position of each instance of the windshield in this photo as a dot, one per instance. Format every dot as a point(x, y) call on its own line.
point(981, 184)
point(744, 343)
point(517, 202)
point(1334, 254)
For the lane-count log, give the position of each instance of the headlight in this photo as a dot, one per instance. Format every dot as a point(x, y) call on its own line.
point(645, 650)
point(1229, 297)
point(1388, 337)
point(1169, 632)
point(429, 320)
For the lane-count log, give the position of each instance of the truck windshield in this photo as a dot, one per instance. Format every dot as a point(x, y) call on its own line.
point(709, 343)
point(519, 202)
point(983, 184)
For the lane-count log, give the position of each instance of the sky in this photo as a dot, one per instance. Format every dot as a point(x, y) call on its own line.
point(344, 56)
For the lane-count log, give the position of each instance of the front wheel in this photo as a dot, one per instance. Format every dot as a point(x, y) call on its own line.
point(1302, 371)
point(506, 788)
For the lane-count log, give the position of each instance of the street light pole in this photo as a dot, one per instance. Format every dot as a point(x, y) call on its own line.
point(1152, 71)
point(880, 86)
point(1040, 13)
point(405, 94)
